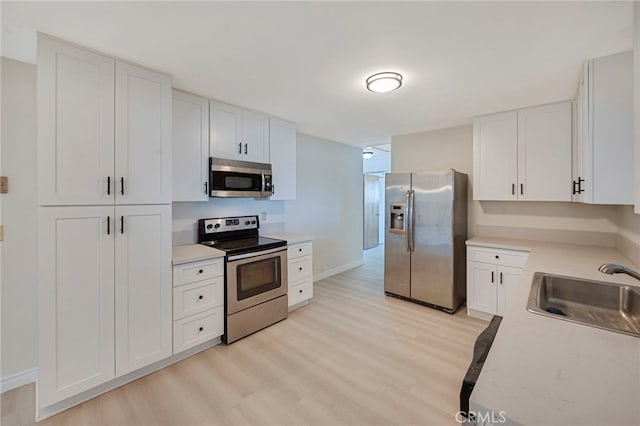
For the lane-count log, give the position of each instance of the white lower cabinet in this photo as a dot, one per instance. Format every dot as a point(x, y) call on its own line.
point(300, 273)
point(104, 295)
point(492, 274)
point(198, 303)
point(143, 286)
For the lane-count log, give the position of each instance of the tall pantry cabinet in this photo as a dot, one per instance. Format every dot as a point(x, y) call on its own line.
point(104, 183)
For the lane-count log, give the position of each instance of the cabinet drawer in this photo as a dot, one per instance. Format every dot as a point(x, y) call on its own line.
point(300, 268)
point(197, 271)
point(198, 328)
point(192, 298)
point(498, 256)
point(301, 291)
point(299, 250)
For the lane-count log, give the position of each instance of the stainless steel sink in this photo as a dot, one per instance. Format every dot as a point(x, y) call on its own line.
point(610, 306)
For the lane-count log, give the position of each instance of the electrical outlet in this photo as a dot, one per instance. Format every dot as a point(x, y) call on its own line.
point(264, 215)
point(4, 184)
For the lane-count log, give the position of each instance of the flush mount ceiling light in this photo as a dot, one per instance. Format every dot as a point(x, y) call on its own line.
point(367, 154)
point(384, 82)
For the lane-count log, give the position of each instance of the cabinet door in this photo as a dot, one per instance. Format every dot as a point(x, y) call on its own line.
point(481, 287)
point(143, 136)
point(143, 286)
point(75, 125)
point(226, 128)
point(495, 157)
point(255, 137)
point(76, 295)
point(282, 149)
point(190, 143)
point(507, 284)
point(544, 153)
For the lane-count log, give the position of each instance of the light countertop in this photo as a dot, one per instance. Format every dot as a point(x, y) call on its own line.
point(290, 237)
point(547, 371)
point(193, 253)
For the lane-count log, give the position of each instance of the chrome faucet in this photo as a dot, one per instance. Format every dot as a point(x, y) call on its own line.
point(612, 268)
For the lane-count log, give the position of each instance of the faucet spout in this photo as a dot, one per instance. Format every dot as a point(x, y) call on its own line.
point(612, 268)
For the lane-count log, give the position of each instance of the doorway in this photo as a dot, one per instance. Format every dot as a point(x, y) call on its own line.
point(371, 211)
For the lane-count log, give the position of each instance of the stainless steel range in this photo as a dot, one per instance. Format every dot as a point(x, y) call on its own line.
point(255, 274)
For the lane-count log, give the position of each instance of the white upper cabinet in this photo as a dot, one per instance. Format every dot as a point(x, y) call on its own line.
point(603, 147)
point(143, 136)
point(495, 156)
point(75, 125)
point(226, 131)
point(76, 296)
point(523, 155)
point(104, 129)
point(238, 134)
point(143, 291)
point(282, 148)
point(544, 153)
point(255, 136)
point(190, 147)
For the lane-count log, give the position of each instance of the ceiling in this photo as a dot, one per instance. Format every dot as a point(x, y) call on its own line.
point(307, 61)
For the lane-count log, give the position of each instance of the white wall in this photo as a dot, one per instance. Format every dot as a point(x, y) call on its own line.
point(379, 163)
point(329, 202)
point(18, 290)
point(453, 148)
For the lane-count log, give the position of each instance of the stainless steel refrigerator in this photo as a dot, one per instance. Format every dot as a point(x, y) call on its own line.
point(425, 233)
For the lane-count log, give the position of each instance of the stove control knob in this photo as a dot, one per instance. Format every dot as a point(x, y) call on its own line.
point(248, 222)
point(253, 222)
point(217, 225)
point(209, 226)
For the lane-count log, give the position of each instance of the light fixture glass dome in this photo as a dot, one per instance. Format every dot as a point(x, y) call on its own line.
point(367, 154)
point(384, 82)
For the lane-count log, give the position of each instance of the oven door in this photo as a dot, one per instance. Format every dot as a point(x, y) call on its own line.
point(255, 278)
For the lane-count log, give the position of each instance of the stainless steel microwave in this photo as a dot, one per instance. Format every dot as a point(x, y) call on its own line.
point(233, 178)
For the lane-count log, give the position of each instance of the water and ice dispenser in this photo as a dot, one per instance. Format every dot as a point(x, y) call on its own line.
point(396, 222)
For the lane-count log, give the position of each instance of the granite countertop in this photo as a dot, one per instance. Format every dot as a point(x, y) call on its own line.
point(546, 371)
point(193, 253)
point(290, 237)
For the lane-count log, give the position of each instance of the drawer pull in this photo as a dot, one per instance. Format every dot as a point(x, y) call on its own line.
point(200, 271)
point(201, 328)
point(300, 250)
point(497, 257)
point(300, 291)
point(200, 297)
point(300, 268)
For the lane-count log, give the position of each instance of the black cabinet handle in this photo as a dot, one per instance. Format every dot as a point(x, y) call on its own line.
point(108, 185)
point(122, 186)
point(201, 328)
point(497, 257)
point(200, 297)
point(246, 148)
point(206, 185)
point(122, 224)
point(108, 225)
point(500, 277)
point(300, 250)
point(521, 189)
point(300, 291)
point(300, 268)
point(240, 148)
point(200, 271)
point(580, 190)
point(492, 277)
point(513, 189)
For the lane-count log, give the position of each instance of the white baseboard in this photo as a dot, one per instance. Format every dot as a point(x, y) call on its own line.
point(326, 274)
point(18, 379)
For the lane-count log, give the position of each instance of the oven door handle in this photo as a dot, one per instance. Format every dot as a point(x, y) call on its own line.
point(255, 254)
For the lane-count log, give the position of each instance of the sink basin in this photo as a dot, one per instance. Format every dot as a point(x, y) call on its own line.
point(614, 307)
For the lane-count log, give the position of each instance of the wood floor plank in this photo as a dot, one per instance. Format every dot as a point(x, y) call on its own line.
point(352, 357)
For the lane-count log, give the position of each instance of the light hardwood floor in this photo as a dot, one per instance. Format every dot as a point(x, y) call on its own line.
point(352, 357)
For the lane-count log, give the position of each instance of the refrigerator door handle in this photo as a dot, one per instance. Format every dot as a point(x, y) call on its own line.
point(410, 203)
point(407, 216)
